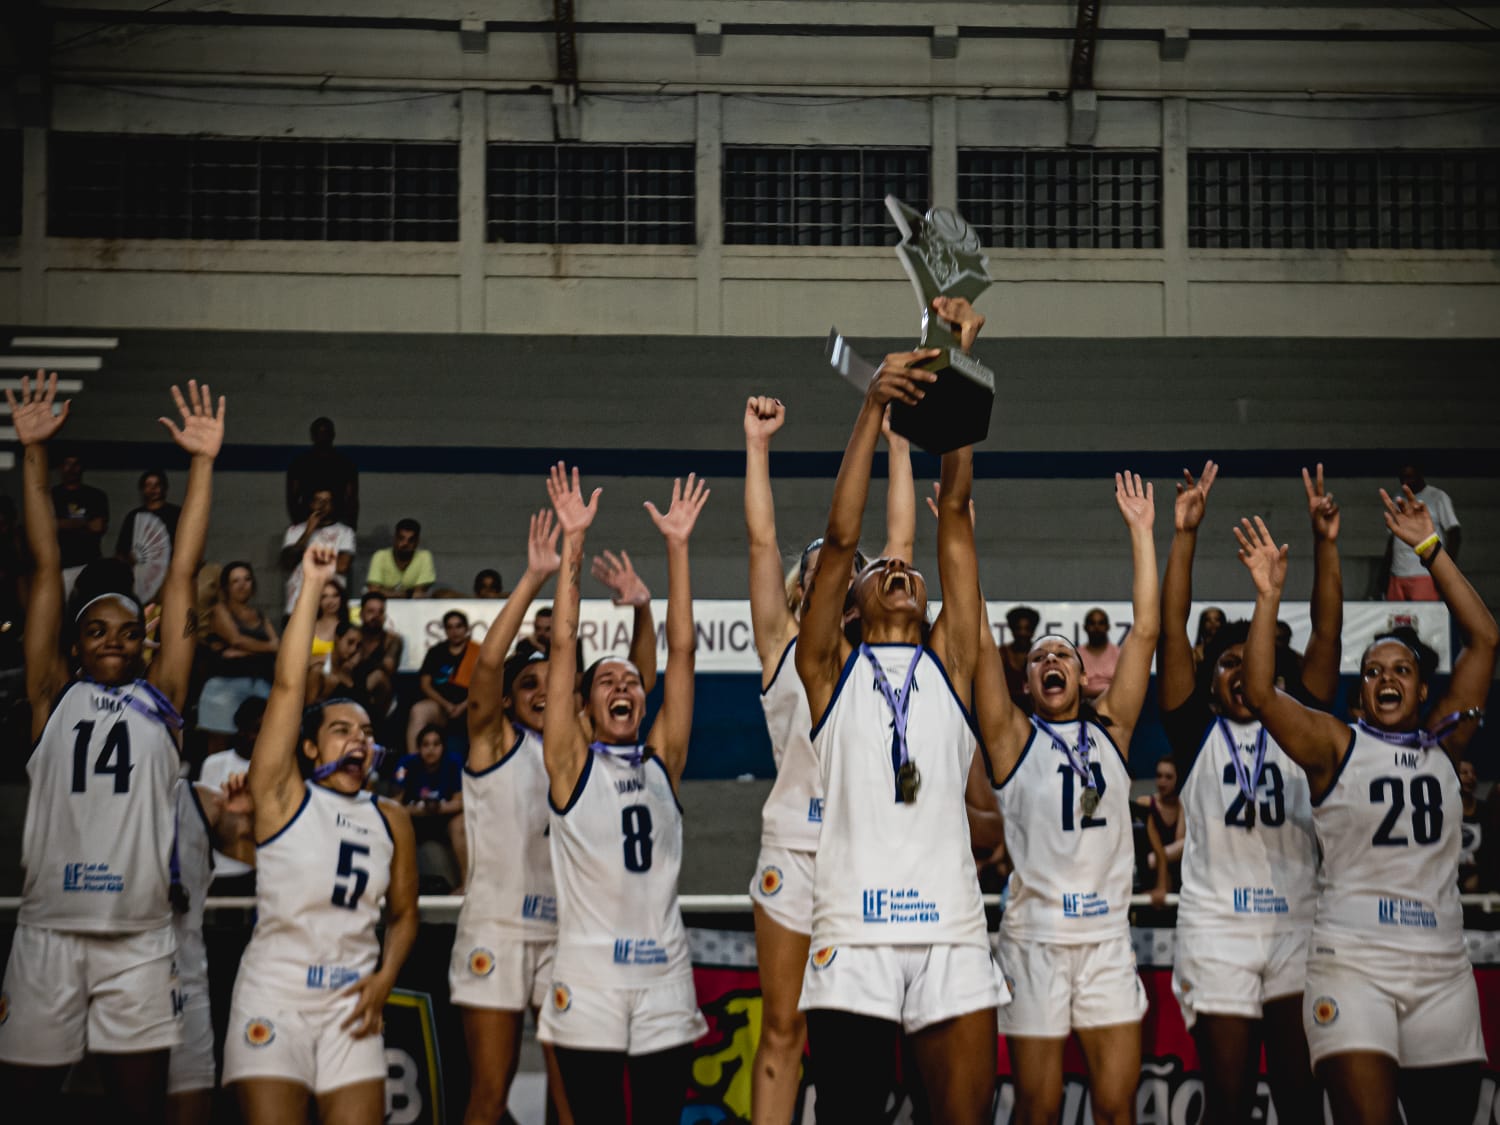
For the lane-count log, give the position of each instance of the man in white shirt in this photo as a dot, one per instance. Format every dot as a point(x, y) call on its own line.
point(322, 527)
point(231, 876)
point(1407, 579)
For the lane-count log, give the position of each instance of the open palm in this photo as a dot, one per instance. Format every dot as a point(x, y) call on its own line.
point(202, 431)
point(682, 514)
point(1192, 497)
point(1137, 502)
point(567, 500)
point(31, 414)
point(1407, 517)
point(1265, 561)
point(541, 544)
point(617, 573)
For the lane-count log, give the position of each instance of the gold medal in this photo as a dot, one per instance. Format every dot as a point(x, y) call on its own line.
point(1089, 801)
point(908, 780)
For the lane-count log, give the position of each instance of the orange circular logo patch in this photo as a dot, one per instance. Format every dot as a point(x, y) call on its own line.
point(481, 962)
point(562, 997)
point(770, 880)
point(259, 1032)
point(822, 958)
point(1325, 1010)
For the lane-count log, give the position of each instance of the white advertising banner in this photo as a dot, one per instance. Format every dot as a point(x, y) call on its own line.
point(725, 643)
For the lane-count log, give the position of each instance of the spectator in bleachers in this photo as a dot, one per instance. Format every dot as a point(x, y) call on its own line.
point(430, 784)
point(1472, 837)
point(1402, 575)
point(322, 467)
point(540, 639)
point(233, 876)
point(1167, 832)
point(82, 518)
point(1099, 656)
point(333, 612)
point(488, 584)
point(444, 681)
point(1210, 621)
point(380, 650)
point(336, 674)
point(322, 527)
point(246, 654)
point(404, 569)
point(153, 489)
point(1022, 621)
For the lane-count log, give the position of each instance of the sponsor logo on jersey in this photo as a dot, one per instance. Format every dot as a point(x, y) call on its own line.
point(4, 1006)
point(481, 962)
point(639, 951)
point(770, 880)
point(815, 810)
point(91, 878)
point(352, 825)
point(822, 958)
point(879, 905)
point(562, 997)
point(1325, 1010)
point(539, 908)
point(259, 1032)
point(1087, 904)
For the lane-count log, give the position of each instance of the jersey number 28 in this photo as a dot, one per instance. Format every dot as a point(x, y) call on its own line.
point(1426, 810)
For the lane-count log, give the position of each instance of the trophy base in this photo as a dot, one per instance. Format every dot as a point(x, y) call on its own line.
point(956, 410)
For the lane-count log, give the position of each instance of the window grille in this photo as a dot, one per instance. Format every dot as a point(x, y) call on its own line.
point(819, 196)
point(582, 193)
point(1062, 198)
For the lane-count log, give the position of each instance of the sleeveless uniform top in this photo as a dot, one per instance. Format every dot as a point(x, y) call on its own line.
point(616, 852)
point(792, 816)
point(1246, 873)
point(510, 857)
point(318, 891)
point(1389, 827)
point(1072, 878)
point(100, 815)
point(891, 872)
point(195, 871)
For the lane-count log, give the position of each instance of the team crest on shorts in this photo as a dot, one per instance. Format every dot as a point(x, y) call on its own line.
point(1325, 1010)
point(259, 1032)
point(822, 958)
point(770, 880)
point(562, 997)
point(481, 962)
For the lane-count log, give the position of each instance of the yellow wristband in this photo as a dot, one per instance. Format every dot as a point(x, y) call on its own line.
point(1427, 544)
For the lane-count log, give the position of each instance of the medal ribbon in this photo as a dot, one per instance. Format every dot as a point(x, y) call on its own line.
point(632, 755)
point(1423, 739)
point(155, 706)
point(1079, 758)
point(900, 705)
point(375, 757)
point(1249, 780)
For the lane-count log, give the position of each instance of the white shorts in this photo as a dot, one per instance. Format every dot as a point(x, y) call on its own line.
point(1422, 1010)
point(191, 1066)
point(1057, 988)
point(493, 967)
point(271, 1038)
point(1229, 974)
point(66, 993)
point(782, 886)
point(913, 985)
point(638, 1021)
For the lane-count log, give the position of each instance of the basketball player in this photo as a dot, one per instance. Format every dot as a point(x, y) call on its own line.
point(1250, 859)
point(622, 1001)
point(305, 1020)
point(898, 933)
point(1391, 1009)
point(92, 965)
point(1064, 790)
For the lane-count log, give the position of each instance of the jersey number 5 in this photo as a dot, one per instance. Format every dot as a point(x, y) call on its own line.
point(635, 823)
point(113, 760)
point(347, 894)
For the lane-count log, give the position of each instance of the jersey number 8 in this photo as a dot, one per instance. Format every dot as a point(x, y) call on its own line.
point(635, 823)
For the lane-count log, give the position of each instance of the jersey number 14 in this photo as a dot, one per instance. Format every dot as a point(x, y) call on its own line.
point(113, 760)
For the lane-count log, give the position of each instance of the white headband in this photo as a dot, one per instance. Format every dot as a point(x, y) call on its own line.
point(1062, 640)
point(124, 599)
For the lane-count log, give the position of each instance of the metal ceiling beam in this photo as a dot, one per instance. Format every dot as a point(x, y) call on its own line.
point(1085, 38)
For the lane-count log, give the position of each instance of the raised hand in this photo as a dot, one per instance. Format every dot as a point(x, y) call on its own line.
point(202, 431)
point(958, 312)
point(237, 799)
point(893, 441)
point(319, 562)
point(763, 417)
point(1321, 507)
point(1137, 502)
point(1192, 497)
point(898, 380)
point(1407, 517)
point(937, 494)
point(573, 515)
point(682, 514)
point(32, 415)
point(541, 545)
point(1258, 551)
point(617, 573)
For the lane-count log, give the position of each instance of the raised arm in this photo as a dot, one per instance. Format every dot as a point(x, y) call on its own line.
point(1176, 671)
point(673, 728)
point(564, 747)
point(1121, 703)
point(626, 588)
point(1474, 667)
point(1316, 741)
point(275, 782)
point(200, 436)
point(770, 620)
point(900, 496)
point(35, 425)
point(955, 634)
point(1320, 663)
point(490, 733)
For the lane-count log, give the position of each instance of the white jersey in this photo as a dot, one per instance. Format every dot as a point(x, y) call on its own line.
point(318, 891)
point(1389, 827)
point(616, 853)
point(195, 870)
point(510, 857)
point(97, 846)
point(217, 769)
point(891, 872)
point(792, 816)
point(1247, 867)
point(1072, 878)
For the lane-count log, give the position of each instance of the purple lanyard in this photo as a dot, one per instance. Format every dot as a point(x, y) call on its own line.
point(632, 755)
point(375, 757)
point(1249, 780)
point(900, 704)
point(1423, 739)
point(159, 708)
point(1077, 758)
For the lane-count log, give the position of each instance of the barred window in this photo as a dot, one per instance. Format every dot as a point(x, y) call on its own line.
point(577, 193)
point(1062, 198)
point(107, 186)
point(10, 183)
point(1344, 200)
point(819, 196)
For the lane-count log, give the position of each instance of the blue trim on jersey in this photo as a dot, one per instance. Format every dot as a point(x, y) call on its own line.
point(306, 797)
point(791, 644)
point(1124, 761)
point(507, 756)
point(1338, 771)
point(668, 775)
point(583, 777)
point(838, 687)
point(380, 812)
point(1035, 732)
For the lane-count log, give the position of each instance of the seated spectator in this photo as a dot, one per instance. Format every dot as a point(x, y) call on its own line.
point(322, 467)
point(337, 676)
point(380, 651)
point(1472, 837)
point(430, 785)
point(1099, 656)
point(1022, 621)
point(82, 518)
point(487, 585)
point(233, 876)
point(1210, 621)
point(153, 489)
point(444, 680)
point(1166, 829)
point(333, 611)
point(322, 527)
point(246, 656)
point(404, 569)
point(540, 638)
